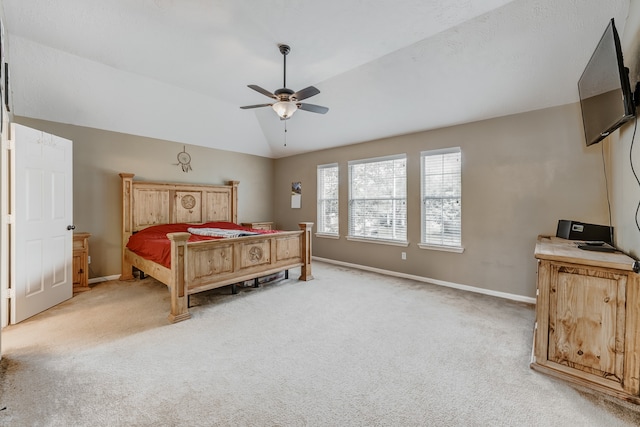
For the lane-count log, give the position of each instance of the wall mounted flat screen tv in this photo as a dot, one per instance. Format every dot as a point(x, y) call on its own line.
point(605, 95)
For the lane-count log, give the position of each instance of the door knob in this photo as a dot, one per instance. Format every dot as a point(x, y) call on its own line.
point(71, 227)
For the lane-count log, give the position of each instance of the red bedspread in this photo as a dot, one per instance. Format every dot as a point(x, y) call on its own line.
point(152, 242)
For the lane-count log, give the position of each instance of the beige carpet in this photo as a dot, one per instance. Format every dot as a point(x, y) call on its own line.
point(350, 348)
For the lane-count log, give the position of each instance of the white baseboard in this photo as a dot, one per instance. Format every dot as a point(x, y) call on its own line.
point(103, 279)
point(512, 297)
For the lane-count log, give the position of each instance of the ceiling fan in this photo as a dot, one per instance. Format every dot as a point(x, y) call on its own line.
point(287, 101)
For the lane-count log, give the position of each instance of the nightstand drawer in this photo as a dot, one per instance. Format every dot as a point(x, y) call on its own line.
point(259, 225)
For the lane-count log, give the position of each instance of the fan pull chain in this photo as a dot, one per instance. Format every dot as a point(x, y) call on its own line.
point(285, 133)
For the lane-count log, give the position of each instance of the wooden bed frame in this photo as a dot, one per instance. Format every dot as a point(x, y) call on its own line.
point(204, 265)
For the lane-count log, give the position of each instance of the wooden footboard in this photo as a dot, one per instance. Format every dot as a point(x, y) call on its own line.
point(200, 266)
point(204, 265)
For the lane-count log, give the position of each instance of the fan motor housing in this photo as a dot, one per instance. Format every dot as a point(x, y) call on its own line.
point(283, 94)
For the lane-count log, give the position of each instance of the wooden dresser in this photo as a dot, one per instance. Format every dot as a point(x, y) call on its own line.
point(587, 327)
point(81, 262)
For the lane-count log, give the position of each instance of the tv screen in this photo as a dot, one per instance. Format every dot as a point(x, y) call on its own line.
point(605, 95)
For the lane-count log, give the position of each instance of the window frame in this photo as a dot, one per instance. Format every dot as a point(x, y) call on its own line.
point(424, 243)
point(403, 240)
point(321, 232)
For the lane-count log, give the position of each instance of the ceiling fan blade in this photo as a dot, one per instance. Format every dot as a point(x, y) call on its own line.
point(313, 108)
point(305, 93)
point(263, 91)
point(246, 107)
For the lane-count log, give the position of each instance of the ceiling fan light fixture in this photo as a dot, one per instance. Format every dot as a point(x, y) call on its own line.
point(285, 109)
point(287, 101)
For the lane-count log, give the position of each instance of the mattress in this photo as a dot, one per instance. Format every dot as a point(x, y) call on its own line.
point(153, 244)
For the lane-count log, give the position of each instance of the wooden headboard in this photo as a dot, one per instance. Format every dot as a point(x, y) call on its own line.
point(152, 203)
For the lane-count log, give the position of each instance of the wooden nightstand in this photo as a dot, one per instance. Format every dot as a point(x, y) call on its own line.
point(259, 225)
point(81, 262)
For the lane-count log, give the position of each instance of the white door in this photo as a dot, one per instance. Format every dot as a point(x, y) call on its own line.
point(42, 211)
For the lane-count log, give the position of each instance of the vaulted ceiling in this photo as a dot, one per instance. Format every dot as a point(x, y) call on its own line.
point(178, 69)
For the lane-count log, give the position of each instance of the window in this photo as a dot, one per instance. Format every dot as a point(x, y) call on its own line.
point(328, 199)
point(378, 199)
point(441, 198)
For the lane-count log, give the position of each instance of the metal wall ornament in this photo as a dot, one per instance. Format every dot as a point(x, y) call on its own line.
point(184, 160)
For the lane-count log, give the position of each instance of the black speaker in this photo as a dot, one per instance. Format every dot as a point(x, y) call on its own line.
point(574, 230)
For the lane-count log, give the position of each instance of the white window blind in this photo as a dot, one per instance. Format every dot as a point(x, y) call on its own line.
point(378, 198)
point(328, 199)
point(441, 197)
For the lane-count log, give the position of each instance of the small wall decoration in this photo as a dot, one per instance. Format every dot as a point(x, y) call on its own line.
point(296, 195)
point(184, 160)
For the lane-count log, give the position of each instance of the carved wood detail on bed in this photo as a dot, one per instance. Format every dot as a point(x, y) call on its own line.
point(203, 265)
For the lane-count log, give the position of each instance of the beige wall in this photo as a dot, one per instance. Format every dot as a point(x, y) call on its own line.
point(624, 187)
point(520, 175)
point(99, 156)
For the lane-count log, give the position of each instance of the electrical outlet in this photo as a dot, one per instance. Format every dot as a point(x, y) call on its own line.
point(403, 255)
point(89, 259)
